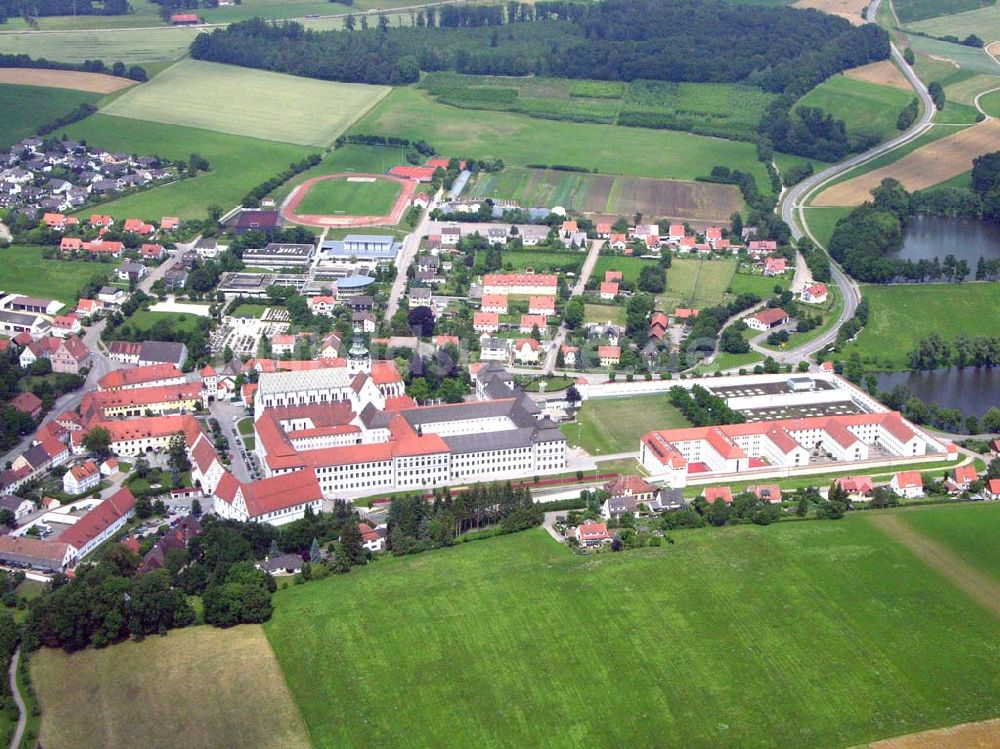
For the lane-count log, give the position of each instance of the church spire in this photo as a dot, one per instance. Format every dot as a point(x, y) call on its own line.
point(358, 357)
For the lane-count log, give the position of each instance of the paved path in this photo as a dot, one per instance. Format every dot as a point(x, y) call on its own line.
point(411, 243)
point(980, 587)
point(22, 718)
point(581, 284)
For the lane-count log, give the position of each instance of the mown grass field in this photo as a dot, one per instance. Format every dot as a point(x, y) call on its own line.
point(519, 140)
point(211, 96)
point(864, 107)
point(249, 309)
point(964, 90)
point(340, 196)
point(991, 102)
point(144, 320)
point(133, 46)
point(538, 260)
point(515, 642)
point(347, 158)
point(237, 164)
point(200, 687)
point(902, 315)
point(973, 59)
point(604, 313)
point(823, 220)
point(918, 10)
point(697, 283)
point(969, 530)
point(757, 283)
point(630, 267)
point(615, 425)
point(24, 271)
point(26, 108)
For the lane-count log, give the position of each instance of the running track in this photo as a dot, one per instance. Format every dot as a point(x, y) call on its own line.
point(402, 202)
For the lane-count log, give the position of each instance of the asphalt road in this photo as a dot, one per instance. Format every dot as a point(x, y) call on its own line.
point(22, 718)
point(549, 365)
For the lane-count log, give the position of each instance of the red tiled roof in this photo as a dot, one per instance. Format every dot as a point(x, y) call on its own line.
point(909, 479)
point(966, 474)
point(97, 520)
point(713, 493)
point(137, 375)
point(771, 316)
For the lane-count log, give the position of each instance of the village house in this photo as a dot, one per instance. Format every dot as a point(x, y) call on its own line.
point(775, 266)
point(609, 356)
point(908, 484)
point(767, 319)
point(485, 322)
point(81, 478)
point(591, 534)
point(527, 351)
point(609, 290)
point(530, 322)
point(494, 303)
point(28, 403)
point(814, 294)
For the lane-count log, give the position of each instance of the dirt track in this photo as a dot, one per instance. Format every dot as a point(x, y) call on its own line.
point(884, 73)
point(934, 163)
point(288, 209)
point(983, 735)
point(849, 9)
point(96, 83)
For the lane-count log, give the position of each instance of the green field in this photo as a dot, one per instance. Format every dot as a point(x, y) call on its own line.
point(697, 283)
point(516, 642)
point(990, 103)
point(237, 164)
point(604, 313)
point(23, 270)
point(538, 260)
point(215, 97)
point(823, 220)
point(148, 689)
point(964, 90)
point(630, 267)
point(339, 196)
point(249, 309)
point(410, 113)
point(918, 10)
point(606, 426)
point(756, 283)
point(983, 22)
point(865, 108)
point(901, 315)
point(144, 320)
point(147, 45)
point(973, 59)
point(26, 108)
point(347, 158)
point(956, 113)
point(968, 529)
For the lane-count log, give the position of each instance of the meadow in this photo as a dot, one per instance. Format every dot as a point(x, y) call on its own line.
point(967, 529)
point(865, 108)
point(984, 22)
point(604, 313)
point(606, 426)
point(901, 315)
point(918, 10)
point(24, 271)
point(515, 642)
point(964, 89)
point(216, 97)
point(26, 108)
point(990, 103)
point(339, 196)
point(697, 283)
point(756, 283)
point(538, 260)
point(630, 267)
point(236, 164)
point(144, 320)
point(133, 47)
point(973, 59)
point(518, 140)
point(822, 221)
point(199, 687)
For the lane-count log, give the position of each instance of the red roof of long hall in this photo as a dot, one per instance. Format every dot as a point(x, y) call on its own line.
point(403, 442)
point(142, 396)
point(384, 372)
point(279, 492)
point(148, 426)
point(137, 375)
point(97, 520)
point(521, 279)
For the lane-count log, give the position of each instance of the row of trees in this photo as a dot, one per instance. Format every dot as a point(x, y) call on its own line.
point(933, 351)
point(135, 72)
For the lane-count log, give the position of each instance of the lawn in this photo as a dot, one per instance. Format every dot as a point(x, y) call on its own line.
point(150, 689)
point(697, 283)
point(630, 267)
point(519, 140)
point(901, 315)
point(697, 643)
point(918, 10)
point(23, 270)
point(144, 320)
point(823, 220)
point(604, 313)
point(339, 196)
point(133, 46)
point(606, 426)
point(970, 530)
point(249, 309)
point(245, 426)
point(215, 97)
point(864, 107)
point(347, 158)
point(538, 260)
point(236, 164)
point(757, 283)
point(26, 108)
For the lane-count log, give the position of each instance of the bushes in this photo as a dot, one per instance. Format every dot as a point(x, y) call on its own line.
point(702, 408)
point(909, 114)
point(79, 113)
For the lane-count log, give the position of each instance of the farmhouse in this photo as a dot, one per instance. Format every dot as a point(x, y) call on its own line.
point(767, 319)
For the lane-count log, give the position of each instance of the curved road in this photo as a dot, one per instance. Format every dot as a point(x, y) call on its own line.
point(22, 710)
point(794, 200)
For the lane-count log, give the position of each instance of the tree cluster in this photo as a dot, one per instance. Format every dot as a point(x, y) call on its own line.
point(702, 407)
point(933, 351)
point(135, 72)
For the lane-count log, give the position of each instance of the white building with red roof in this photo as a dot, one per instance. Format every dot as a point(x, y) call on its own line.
point(815, 293)
point(539, 284)
point(767, 319)
point(592, 533)
point(609, 289)
point(277, 500)
point(909, 484)
point(775, 266)
point(494, 303)
point(81, 478)
point(152, 375)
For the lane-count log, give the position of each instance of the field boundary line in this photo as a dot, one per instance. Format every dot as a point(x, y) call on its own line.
point(977, 585)
point(960, 736)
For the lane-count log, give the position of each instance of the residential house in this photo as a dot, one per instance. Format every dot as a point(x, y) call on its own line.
point(28, 403)
point(609, 356)
point(373, 539)
point(485, 322)
point(530, 322)
point(20, 507)
point(64, 326)
point(569, 355)
point(592, 533)
point(816, 293)
point(909, 484)
point(494, 303)
point(992, 489)
point(775, 266)
point(767, 319)
point(527, 351)
point(857, 487)
point(81, 478)
point(494, 349)
point(609, 289)
point(714, 493)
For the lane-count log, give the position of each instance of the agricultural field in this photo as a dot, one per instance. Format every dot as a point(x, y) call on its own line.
point(24, 271)
point(865, 108)
point(918, 10)
point(883, 73)
point(606, 426)
point(630, 267)
point(697, 283)
point(972, 59)
point(450, 635)
point(901, 315)
point(237, 164)
point(143, 13)
point(341, 196)
point(133, 47)
point(605, 195)
point(26, 108)
point(293, 9)
point(965, 529)
point(148, 689)
point(297, 110)
point(984, 22)
point(852, 10)
point(410, 113)
point(965, 89)
point(956, 113)
point(93, 83)
point(990, 103)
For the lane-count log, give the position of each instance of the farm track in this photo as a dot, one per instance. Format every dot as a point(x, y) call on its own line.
point(980, 587)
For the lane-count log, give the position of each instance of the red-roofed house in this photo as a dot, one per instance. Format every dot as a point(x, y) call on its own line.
point(373, 539)
point(70, 244)
point(712, 493)
point(618, 241)
point(530, 322)
point(609, 289)
point(494, 303)
point(81, 478)
point(485, 322)
point(766, 493)
point(603, 229)
point(277, 500)
point(592, 533)
point(169, 223)
point(527, 351)
point(609, 356)
point(28, 403)
point(963, 476)
point(138, 226)
point(775, 266)
point(542, 305)
point(152, 251)
point(100, 524)
point(66, 325)
point(685, 315)
point(767, 319)
point(909, 484)
point(992, 489)
point(856, 486)
point(816, 293)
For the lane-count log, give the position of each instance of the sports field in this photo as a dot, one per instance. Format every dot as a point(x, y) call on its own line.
point(218, 97)
point(515, 642)
point(865, 107)
point(968, 530)
point(22, 270)
point(237, 164)
point(26, 108)
point(352, 198)
point(902, 315)
point(519, 140)
point(697, 283)
point(606, 426)
point(200, 687)
point(133, 46)
point(917, 10)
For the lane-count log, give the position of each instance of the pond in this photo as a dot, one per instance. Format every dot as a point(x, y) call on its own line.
point(972, 390)
point(929, 237)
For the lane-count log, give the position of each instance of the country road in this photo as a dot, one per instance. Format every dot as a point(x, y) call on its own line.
point(795, 199)
point(22, 710)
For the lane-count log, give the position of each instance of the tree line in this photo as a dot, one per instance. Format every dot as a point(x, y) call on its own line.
point(933, 351)
point(702, 407)
point(37, 8)
point(135, 72)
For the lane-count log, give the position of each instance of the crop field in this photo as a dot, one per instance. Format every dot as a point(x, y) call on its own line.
point(902, 315)
point(928, 165)
point(133, 46)
point(883, 73)
point(918, 10)
point(237, 164)
point(341, 196)
point(630, 267)
point(94, 83)
point(26, 108)
point(990, 103)
point(972, 59)
point(410, 113)
point(969, 530)
point(964, 91)
point(22, 270)
point(852, 10)
point(607, 426)
point(606, 195)
point(150, 689)
point(215, 97)
point(449, 636)
point(697, 283)
point(984, 22)
point(864, 107)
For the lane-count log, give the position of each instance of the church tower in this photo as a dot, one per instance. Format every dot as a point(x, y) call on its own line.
point(358, 357)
